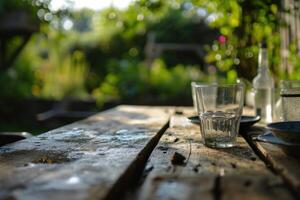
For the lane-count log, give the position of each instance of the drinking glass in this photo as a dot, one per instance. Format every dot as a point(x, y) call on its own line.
point(194, 84)
point(219, 109)
point(290, 100)
point(193, 87)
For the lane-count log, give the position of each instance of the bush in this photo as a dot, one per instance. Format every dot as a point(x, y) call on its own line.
point(17, 82)
point(136, 83)
point(62, 77)
point(243, 25)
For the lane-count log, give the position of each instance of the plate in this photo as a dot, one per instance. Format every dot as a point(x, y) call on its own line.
point(246, 121)
point(288, 131)
point(194, 119)
point(10, 137)
point(292, 149)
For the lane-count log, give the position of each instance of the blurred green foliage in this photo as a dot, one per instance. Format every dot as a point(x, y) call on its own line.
point(65, 77)
point(244, 24)
point(135, 82)
point(294, 59)
point(38, 11)
point(31, 7)
point(103, 55)
point(17, 82)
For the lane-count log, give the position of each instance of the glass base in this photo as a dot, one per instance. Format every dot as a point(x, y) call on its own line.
point(220, 145)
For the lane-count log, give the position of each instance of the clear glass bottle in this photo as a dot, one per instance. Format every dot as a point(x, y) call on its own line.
point(263, 85)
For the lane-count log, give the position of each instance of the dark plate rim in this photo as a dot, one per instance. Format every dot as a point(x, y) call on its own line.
point(250, 118)
point(277, 141)
point(271, 127)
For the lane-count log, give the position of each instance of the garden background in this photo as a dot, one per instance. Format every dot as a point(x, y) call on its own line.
point(79, 61)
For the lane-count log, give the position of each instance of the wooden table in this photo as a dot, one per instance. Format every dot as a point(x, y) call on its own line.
point(139, 152)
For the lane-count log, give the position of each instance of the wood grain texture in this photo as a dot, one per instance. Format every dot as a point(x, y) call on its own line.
point(171, 186)
point(235, 173)
point(103, 157)
point(84, 160)
point(284, 164)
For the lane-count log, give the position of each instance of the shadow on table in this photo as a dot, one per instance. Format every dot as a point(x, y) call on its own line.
point(240, 151)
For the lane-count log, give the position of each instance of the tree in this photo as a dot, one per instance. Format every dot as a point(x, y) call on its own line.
point(243, 24)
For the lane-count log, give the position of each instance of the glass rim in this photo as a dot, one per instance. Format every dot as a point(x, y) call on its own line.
point(195, 83)
point(241, 85)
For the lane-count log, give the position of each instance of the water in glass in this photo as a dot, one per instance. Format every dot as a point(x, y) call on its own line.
point(219, 128)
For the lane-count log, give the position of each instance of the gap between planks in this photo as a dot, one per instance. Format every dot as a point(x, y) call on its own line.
point(100, 173)
point(208, 173)
point(129, 180)
point(277, 160)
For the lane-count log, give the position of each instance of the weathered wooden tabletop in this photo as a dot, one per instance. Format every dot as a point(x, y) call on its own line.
point(140, 152)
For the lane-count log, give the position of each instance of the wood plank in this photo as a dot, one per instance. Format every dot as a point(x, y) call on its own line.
point(170, 186)
point(253, 188)
point(285, 165)
point(233, 173)
point(97, 158)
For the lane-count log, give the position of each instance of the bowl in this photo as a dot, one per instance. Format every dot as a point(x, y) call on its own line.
point(288, 131)
point(289, 148)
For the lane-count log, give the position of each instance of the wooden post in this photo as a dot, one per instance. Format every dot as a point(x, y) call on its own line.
point(290, 32)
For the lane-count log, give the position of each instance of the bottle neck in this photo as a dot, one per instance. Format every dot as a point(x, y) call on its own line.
point(263, 60)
